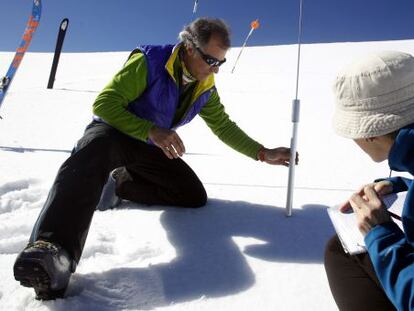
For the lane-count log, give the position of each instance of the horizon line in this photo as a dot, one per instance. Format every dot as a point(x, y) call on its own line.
point(232, 47)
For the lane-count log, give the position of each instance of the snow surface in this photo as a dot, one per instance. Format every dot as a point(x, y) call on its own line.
point(240, 252)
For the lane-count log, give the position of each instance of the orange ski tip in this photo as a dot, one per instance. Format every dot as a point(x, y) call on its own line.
point(255, 24)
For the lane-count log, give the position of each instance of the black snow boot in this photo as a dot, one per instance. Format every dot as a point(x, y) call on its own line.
point(46, 267)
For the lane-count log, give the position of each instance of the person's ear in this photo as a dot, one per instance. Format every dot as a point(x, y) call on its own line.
point(189, 49)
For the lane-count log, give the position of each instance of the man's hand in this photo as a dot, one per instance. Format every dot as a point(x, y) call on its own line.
point(168, 140)
point(369, 209)
point(276, 156)
point(381, 188)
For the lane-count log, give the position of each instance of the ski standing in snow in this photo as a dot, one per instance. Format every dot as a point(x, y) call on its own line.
point(31, 27)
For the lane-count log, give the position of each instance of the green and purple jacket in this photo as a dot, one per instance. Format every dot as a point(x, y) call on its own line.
point(148, 91)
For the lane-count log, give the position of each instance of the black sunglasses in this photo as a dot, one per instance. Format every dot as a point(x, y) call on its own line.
point(210, 60)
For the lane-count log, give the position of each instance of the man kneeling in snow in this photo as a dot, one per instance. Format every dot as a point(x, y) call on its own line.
point(159, 89)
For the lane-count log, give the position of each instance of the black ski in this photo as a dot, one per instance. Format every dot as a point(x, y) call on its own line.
point(59, 43)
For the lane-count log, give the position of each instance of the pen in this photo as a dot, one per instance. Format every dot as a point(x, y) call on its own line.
point(395, 216)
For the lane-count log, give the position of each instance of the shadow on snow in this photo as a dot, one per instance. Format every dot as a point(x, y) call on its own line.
point(209, 263)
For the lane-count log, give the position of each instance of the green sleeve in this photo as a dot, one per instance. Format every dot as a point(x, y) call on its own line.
point(227, 131)
point(111, 104)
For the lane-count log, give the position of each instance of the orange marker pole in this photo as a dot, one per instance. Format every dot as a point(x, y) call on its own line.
point(254, 25)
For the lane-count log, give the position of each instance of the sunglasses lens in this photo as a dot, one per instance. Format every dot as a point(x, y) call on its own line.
point(211, 61)
point(214, 62)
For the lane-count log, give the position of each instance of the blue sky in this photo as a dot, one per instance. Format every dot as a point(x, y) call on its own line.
point(103, 25)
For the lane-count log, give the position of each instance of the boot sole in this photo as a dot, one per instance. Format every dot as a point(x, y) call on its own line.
point(30, 273)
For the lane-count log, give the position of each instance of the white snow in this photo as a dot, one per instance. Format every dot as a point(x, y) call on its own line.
point(240, 252)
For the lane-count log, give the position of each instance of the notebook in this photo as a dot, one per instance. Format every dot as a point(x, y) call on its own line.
point(345, 224)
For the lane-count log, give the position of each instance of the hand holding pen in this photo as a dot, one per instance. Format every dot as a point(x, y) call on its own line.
point(368, 206)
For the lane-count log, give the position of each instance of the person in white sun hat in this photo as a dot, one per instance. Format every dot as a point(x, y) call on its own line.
point(375, 108)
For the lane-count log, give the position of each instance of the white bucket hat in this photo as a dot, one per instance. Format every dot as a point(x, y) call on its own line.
point(375, 95)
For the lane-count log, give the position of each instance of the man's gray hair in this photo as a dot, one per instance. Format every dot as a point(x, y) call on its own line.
point(200, 31)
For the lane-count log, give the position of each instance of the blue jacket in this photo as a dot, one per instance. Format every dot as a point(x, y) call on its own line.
point(159, 102)
point(392, 250)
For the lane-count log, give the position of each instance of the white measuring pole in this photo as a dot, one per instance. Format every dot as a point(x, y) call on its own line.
point(295, 121)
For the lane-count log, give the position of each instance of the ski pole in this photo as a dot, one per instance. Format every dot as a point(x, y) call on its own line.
point(254, 25)
point(295, 121)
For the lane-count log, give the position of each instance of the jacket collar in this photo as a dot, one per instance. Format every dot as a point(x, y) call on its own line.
point(201, 86)
point(401, 157)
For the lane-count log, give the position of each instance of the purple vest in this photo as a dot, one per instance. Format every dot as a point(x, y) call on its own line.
point(159, 101)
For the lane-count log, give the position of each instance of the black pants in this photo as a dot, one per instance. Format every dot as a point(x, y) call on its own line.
point(352, 279)
point(67, 213)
